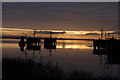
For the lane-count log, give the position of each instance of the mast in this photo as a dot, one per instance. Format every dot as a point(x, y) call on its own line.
point(50, 34)
point(101, 33)
point(34, 33)
point(105, 35)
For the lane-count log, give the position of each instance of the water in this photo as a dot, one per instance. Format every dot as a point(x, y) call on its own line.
point(69, 54)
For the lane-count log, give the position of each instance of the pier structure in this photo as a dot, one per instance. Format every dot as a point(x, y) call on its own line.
point(50, 43)
point(33, 43)
point(110, 48)
point(111, 44)
point(22, 44)
point(102, 33)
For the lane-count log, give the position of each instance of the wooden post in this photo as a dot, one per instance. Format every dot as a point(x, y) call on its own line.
point(50, 34)
point(34, 33)
point(108, 35)
point(101, 33)
point(105, 34)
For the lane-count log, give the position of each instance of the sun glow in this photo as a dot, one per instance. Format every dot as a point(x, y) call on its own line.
point(65, 34)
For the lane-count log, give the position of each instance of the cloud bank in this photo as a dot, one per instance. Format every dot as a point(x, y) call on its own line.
point(61, 16)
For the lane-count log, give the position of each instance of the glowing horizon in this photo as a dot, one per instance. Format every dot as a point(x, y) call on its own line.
point(67, 34)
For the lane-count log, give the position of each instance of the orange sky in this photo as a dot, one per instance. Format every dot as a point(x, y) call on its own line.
point(67, 34)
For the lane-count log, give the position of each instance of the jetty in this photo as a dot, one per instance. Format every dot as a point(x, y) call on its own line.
point(33, 43)
point(109, 47)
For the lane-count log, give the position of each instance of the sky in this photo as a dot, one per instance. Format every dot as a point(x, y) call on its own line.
point(65, 19)
point(80, 16)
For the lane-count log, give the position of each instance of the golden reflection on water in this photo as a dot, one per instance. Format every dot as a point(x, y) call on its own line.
point(61, 44)
point(58, 46)
point(74, 41)
point(9, 45)
point(9, 40)
point(75, 46)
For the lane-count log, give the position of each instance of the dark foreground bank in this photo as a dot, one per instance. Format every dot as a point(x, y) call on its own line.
point(20, 69)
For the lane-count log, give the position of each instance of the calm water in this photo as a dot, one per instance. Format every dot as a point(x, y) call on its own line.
point(69, 54)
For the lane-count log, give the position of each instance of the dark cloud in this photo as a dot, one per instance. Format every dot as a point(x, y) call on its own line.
point(115, 33)
point(49, 32)
point(60, 16)
point(92, 34)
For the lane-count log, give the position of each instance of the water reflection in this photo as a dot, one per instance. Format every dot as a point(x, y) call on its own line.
point(74, 46)
point(111, 54)
point(69, 55)
point(50, 45)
